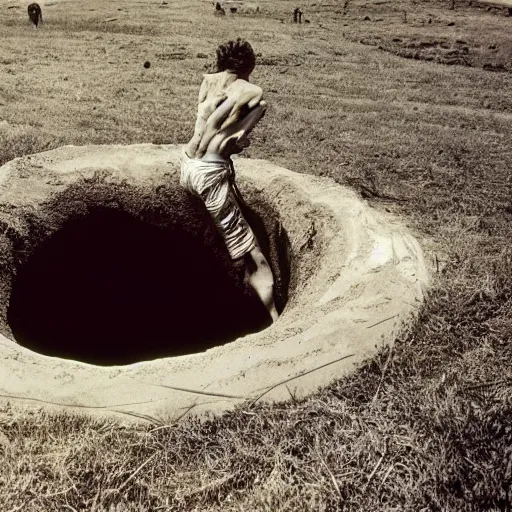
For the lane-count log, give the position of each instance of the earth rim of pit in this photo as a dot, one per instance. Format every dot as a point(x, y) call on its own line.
point(359, 279)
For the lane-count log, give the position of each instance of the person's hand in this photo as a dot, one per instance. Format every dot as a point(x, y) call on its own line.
point(247, 97)
point(233, 139)
point(214, 123)
point(236, 138)
point(233, 146)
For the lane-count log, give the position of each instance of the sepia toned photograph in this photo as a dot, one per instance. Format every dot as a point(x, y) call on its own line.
point(255, 256)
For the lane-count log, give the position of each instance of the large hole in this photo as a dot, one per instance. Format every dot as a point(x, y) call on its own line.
point(109, 287)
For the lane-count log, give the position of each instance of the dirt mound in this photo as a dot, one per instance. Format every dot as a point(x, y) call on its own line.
point(348, 278)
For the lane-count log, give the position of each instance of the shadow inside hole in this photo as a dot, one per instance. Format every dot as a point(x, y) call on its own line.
point(109, 288)
point(276, 248)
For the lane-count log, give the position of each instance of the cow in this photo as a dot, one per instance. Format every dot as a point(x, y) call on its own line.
point(35, 14)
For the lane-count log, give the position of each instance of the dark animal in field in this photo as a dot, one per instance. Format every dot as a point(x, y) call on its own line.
point(297, 15)
point(510, 11)
point(219, 11)
point(35, 14)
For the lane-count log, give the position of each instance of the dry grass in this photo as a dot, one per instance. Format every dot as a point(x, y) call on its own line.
point(412, 429)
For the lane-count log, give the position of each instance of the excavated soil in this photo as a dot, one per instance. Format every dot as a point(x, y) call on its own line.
point(106, 264)
point(117, 296)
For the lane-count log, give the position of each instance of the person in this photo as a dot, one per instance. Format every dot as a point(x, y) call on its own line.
point(230, 87)
point(229, 109)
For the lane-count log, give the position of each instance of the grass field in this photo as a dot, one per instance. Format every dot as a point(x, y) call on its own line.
point(408, 102)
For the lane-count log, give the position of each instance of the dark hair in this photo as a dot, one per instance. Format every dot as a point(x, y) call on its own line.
point(237, 56)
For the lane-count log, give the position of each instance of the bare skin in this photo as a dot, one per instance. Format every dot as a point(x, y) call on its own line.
point(233, 139)
point(225, 142)
point(222, 95)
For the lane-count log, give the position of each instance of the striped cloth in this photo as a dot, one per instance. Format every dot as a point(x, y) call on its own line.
point(212, 182)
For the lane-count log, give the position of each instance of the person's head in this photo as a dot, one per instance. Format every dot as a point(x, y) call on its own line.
point(236, 56)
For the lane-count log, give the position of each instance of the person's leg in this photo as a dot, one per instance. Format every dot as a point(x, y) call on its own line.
point(259, 276)
point(222, 203)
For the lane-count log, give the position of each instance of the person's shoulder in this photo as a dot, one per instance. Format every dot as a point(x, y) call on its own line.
point(240, 85)
point(222, 77)
point(214, 83)
point(208, 77)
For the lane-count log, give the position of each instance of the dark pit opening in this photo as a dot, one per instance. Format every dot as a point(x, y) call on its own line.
point(108, 287)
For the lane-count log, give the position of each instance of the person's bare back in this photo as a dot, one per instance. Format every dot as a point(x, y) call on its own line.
point(226, 95)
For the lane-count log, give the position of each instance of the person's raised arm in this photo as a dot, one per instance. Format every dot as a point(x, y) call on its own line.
point(234, 139)
point(246, 96)
point(213, 125)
